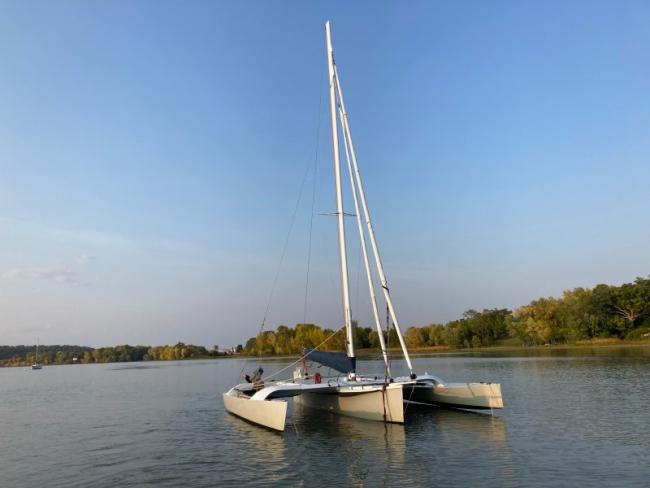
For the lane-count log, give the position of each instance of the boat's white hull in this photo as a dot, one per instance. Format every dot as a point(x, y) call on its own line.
point(369, 400)
point(460, 395)
point(269, 413)
point(365, 398)
point(370, 403)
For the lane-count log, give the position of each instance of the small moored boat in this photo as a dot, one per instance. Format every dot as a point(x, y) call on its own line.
point(36, 364)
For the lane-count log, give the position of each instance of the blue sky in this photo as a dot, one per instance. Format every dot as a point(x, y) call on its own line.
point(151, 154)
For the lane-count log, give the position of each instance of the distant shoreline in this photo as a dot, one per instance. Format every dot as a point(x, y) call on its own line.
point(22, 356)
point(206, 358)
point(599, 344)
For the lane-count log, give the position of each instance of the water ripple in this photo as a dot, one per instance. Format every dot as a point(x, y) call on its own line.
point(569, 421)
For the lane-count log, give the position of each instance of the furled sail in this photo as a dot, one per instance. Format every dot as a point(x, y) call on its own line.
point(335, 360)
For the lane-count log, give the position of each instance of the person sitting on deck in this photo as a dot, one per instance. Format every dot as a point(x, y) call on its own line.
point(257, 379)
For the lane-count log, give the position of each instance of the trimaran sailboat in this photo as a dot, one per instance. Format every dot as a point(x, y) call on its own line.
point(351, 393)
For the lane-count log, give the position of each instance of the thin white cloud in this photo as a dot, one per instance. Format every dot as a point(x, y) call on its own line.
point(57, 275)
point(82, 260)
point(90, 237)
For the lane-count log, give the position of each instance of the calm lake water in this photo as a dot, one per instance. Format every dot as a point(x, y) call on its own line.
point(569, 421)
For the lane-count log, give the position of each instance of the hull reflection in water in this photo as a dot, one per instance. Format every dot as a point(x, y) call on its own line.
point(437, 428)
point(477, 426)
point(354, 441)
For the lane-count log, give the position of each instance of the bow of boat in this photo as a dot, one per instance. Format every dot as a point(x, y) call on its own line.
point(268, 413)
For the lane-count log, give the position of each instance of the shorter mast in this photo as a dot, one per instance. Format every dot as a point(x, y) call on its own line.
point(371, 233)
point(371, 286)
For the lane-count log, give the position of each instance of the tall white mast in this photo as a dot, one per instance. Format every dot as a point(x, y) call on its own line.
point(347, 315)
point(371, 233)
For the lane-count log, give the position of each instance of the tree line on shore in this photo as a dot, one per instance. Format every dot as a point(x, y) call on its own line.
point(621, 312)
point(25, 355)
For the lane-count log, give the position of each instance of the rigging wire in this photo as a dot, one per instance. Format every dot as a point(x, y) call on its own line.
point(284, 249)
point(313, 194)
point(291, 225)
point(304, 356)
point(358, 281)
point(387, 366)
point(284, 252)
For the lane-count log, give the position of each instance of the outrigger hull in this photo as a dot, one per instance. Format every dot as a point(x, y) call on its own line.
point(458, 395)
point(468, 395)
point(268, 413)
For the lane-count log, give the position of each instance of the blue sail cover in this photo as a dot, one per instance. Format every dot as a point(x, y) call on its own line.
point(335, 360)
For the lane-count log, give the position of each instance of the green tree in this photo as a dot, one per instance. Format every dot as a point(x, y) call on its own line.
point(631, 302)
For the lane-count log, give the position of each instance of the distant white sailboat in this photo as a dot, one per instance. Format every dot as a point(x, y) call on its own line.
point(356, 395)
point(36, 364)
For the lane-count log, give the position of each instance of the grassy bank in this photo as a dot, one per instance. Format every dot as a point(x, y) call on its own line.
point(507, 347)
